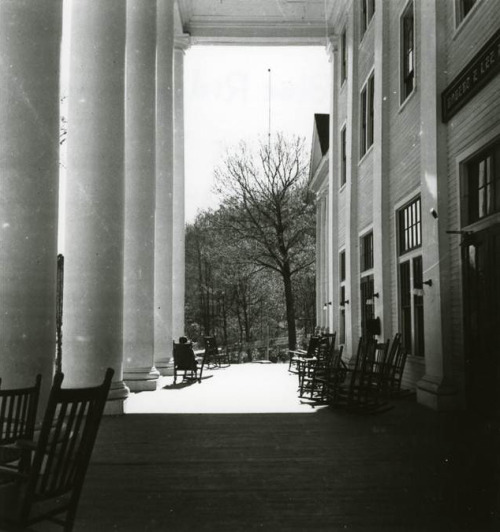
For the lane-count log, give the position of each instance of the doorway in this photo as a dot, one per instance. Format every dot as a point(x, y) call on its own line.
point(482, 319)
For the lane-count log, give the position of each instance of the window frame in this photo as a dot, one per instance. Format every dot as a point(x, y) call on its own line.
point(342, 299)
point(367, 126)
point(414, 228)
point(407, 76)
point(462, 11)
point(367, 12)
point(343, 57)
point(343, 155)
point(467, 175)
point(410, 301)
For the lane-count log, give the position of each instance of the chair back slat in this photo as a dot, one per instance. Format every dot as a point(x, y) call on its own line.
point(18, 413)
point(66, 440)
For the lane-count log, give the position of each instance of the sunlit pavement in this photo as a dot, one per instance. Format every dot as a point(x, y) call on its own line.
point(239, 388)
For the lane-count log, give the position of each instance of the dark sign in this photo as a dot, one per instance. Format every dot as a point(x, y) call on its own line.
point(481, 70)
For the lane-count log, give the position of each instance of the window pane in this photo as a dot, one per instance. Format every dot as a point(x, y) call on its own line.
point(410, 226)
point(405, 304)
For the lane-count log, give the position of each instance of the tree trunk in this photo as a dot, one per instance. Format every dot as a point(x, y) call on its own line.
point(290, 307)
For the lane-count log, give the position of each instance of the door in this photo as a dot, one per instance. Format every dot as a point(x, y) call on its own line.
point(482, 319)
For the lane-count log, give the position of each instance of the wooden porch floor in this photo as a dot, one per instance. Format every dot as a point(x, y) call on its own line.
point(289, 468)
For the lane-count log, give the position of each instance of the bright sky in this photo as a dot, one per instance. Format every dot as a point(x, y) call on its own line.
point(226, 100)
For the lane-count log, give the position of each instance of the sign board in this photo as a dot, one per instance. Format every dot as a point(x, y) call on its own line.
point(477, 74)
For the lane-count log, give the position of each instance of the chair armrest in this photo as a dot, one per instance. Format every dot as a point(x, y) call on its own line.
point(297, 352)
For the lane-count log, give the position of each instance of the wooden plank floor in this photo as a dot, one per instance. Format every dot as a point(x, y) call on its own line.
point(407, 469)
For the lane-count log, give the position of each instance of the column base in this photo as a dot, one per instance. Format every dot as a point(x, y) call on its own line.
point(141, 379)
point(436, 394)
point(116, 397)
point(165, 367)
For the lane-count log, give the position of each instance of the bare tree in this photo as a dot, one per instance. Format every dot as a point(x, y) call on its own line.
point(265, 206)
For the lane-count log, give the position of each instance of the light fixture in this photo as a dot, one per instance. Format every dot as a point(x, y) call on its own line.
point(428, 282)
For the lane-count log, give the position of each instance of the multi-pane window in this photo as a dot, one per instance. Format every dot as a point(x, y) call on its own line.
point(481, 190)
point(366, 283)
point(366, 252)
point(367, 99)
point(411, 300)
point(367, 311)
point(343, 57)
point(410, 226)
point(343, 156)
point(408, 52)
point(342, 276)
point(462, 9)
point(367, 11)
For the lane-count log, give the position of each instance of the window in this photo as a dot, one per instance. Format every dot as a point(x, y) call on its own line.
point(367, 11)
point(343, 156)
point(342, 303)
point(342, 266)
point(367, 311)
point(410, 226)
point(481, 186)
point(367, 252)
point(367, 95)
point(463, 8)
point(411, 300)
point(408, 52)
point(343, 57)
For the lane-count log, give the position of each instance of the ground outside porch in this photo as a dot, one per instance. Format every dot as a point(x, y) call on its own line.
point(240, 452)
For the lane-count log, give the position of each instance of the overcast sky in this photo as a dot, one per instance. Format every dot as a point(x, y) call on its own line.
point(227, 100)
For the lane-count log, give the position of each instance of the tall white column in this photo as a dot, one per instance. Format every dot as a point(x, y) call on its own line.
point(140, 183)
point(333, 187)
point(381, 212)
point(30, 36)
point(181, 43)
point(164, 185)
point(93, 291)
point(435, 389)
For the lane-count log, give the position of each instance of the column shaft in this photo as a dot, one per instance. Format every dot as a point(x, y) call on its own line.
point(140, 109)
point(179, 262)
point(93, 303)
point(30, 36)
point(164, 185)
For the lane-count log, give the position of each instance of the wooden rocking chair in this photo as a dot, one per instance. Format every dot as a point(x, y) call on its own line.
point(52, 483)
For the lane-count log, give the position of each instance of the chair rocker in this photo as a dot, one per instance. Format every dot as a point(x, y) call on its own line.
point(18, 408)
point(298, 355)
point(53, 481)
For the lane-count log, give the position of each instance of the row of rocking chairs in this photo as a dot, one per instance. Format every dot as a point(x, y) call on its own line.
point(42, 473)
point(365, 385)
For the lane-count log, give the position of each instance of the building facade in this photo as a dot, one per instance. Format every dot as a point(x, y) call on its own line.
point(413, 204)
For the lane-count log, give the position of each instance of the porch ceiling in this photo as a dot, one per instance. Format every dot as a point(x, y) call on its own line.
point(256, 22)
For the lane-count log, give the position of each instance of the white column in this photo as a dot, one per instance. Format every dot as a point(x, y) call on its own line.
point(178, 251)
point(93, 291)
point(435, 389)
point(164, 185)
point(381, 213)
point(30, 36)
point(138, 282)
point(333, 187)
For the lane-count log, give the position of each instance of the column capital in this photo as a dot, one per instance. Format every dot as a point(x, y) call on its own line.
point(182, 42)
point(332, 43)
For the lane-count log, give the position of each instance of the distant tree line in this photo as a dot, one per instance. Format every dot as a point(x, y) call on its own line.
point(250, 263)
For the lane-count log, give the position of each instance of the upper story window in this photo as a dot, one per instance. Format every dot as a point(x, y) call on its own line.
point(463, 8)
point(343, 156)
point(481, 186)
point(366, 261)
point(367, 100)
point(367, 11)
point(410, 226)
point(343, 57)
point(407, 52)
point(342, 266)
